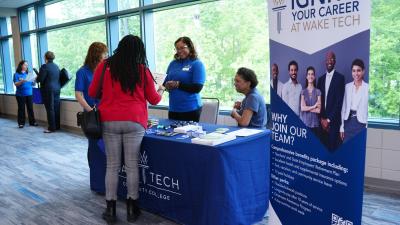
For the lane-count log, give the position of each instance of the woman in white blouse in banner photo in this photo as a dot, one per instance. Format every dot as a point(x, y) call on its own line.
point(355, 103)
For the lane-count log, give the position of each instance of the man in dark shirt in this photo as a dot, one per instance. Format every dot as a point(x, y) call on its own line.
point(331, 85)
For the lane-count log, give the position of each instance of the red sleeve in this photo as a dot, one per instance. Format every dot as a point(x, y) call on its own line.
point(94, 86)
point(151, 94)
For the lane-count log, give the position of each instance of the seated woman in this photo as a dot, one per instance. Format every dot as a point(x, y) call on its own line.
point(310, 102)
point(355, 103)
point(252, 111)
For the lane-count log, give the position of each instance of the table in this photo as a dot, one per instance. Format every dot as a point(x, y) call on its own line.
point(197, 184)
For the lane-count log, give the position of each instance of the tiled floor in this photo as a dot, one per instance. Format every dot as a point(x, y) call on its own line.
point(44, 180)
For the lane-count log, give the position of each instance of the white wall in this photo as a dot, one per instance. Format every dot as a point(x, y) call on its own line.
point(383, 154)
point(383, 146)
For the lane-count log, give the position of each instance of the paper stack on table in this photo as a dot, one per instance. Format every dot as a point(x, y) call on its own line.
point(244, 132)
point(212, 139)
point(185, 129)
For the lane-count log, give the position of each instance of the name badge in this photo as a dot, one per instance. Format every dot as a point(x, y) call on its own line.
point(186, 68)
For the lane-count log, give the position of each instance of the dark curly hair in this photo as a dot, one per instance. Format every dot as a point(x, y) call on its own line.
point(248, 75)
point(124, 64)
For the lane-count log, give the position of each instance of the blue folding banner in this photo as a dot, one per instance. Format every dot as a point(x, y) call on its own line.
point(319, 61)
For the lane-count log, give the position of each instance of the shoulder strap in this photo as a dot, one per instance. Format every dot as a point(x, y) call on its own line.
point(144, 82)
point(98, 93)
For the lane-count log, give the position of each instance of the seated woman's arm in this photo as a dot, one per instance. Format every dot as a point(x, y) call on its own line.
point(244, 119)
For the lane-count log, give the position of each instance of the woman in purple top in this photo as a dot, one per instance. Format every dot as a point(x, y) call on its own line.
point(310, 104)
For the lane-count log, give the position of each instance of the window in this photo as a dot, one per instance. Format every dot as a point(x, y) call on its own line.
point(67, 11)
point(31, 19)
point(1, 78)
point(157, 1)
point(12, 59)
point(384, 78)
point(10, 42)
point(227, 35)
point(8, 21)
point(129, 25)
point(70, 48)
point(127, 4)
point(34, 50)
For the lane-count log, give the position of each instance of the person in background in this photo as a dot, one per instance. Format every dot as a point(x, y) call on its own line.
point(24, 94)
point(49, 79)
point(96, 53)
point(252, 111)
point(185, 78)
point(331, 85)
point(276, 84)
point(127, 86)
point(355, 103)
point(310, 105)
point(292, 88)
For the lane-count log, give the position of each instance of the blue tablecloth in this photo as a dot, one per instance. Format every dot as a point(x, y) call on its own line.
point(197, 184)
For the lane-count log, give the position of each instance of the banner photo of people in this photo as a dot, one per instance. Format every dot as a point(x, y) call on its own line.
point(319, 64)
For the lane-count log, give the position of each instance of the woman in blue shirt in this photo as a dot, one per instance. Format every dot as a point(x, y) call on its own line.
point(96, 53)
point(24, 94)
point(252, 111)
point(185, 79)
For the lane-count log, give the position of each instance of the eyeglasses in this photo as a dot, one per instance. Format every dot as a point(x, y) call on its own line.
point(181, 48)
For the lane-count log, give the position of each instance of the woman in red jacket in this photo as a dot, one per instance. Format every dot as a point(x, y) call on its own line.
point(127, 86)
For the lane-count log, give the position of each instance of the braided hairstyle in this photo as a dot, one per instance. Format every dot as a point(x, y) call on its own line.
point(124, 64)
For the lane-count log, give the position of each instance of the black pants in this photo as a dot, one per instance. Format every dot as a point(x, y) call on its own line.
point(185, 116)
point(51, 100)
point(331, 139)
point(22, 101)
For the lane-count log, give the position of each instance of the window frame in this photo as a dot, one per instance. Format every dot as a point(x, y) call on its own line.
point(145, 11)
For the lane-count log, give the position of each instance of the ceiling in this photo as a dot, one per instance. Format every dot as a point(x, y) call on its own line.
point(9, 7)
point(15, 3)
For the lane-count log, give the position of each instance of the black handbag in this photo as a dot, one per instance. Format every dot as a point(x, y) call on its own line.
point(64, 77)
point(90, 121)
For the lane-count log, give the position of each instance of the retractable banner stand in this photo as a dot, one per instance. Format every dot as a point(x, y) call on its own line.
point(319, 54)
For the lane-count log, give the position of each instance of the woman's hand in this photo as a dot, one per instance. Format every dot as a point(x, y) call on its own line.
point(172, 84)
point(160, 90)
point(342, 136)
point(237, 105)
point(233, 113)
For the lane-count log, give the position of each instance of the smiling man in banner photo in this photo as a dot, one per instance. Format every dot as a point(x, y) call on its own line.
point(331, 85)
point(276, 84)
point(292, 88)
